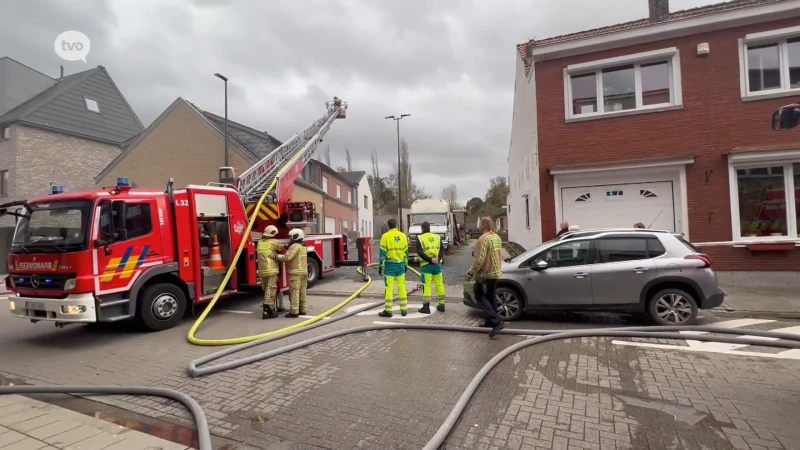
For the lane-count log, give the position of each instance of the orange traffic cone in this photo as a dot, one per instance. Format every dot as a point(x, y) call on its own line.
point(215, 262)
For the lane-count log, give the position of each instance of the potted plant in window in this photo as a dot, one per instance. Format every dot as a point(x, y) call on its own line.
point(778, 228)
point(751, 228)
point(763, 227)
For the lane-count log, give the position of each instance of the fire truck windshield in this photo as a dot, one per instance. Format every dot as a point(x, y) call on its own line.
point(51, 227)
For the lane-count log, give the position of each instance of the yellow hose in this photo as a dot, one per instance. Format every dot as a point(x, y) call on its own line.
point(241, 340)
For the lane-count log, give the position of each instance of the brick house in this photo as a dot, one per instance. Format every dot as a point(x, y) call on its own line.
point(187, 144)
point(362, 194)
point(340, 210)
point(60, 131)
point(667, 121)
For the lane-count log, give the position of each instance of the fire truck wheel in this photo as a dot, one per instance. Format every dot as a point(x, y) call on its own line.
point(161, 306)
point(313, 271)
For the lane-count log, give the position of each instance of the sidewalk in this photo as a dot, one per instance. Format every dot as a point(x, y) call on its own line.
point(27, 424)
point(761, 301)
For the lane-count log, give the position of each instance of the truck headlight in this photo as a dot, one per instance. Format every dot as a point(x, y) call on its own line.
point(69, 284)
point(73, 309)
point(11, 305)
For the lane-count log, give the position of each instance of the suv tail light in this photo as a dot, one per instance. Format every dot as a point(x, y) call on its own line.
point(701, 257)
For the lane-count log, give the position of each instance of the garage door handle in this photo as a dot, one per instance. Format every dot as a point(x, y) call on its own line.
point(581, 275)
point(641, 269)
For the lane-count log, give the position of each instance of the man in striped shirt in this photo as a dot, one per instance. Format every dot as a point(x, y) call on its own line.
point(485, 271)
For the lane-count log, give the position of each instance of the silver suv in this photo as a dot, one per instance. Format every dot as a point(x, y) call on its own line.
point(637, 271)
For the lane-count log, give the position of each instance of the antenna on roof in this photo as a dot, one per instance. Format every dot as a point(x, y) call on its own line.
point(62, 71)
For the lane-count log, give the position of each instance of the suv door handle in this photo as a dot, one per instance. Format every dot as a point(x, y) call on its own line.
point(581, 274)
point(641, 269)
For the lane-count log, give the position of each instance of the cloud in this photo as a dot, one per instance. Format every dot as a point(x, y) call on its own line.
point(448, 63)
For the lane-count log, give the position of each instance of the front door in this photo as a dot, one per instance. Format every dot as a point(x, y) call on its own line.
point(567, 280)
point(622, 270)
point(128, 245)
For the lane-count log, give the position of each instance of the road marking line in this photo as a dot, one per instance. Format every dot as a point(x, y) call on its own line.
point(735, 323)
point(789, 330)
point(789, 354)
point(235, 312)
point(313, 317)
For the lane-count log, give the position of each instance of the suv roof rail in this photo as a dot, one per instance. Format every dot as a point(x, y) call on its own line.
point(594, 231)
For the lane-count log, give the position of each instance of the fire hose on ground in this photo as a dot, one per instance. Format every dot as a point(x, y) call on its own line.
point(784, 340)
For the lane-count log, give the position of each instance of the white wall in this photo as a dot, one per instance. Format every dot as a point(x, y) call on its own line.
point(366, 215)
point(523, 163)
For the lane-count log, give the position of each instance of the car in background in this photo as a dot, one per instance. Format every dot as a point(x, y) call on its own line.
point(634, 271)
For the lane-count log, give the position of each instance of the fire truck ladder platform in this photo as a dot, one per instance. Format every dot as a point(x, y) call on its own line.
point(261, 177)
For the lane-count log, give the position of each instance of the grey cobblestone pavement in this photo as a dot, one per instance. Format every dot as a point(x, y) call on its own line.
point(392, 389)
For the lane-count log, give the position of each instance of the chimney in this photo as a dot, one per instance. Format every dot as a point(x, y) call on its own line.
point(62, 71)
point(659, 10)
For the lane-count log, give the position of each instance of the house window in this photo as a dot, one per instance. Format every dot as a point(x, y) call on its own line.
point(527, 213)
point(765, 201)
point(5, 133)
point(640, 82)
point(325, 184)
point(349, 197)
point(4, 183)
point(339, 191)
point(647, 193)
point(613, 194)
point(584, 197)
point(771, 62)
point(92, 105)
point(366, 202)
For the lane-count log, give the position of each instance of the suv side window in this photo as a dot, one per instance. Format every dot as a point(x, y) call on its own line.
point(621, 249)
point(655, 248)
point(568, 254)
point(138, 220)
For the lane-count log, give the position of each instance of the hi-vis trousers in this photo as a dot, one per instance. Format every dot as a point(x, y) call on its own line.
point(389, 282)
point(438, 281)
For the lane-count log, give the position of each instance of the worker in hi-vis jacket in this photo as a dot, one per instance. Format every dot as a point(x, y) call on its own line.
point(393, 267)
point(431, 253)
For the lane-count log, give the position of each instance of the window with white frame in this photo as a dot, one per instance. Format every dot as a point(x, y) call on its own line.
point(767, 200)
point(339, 191)
point(640, 82)
point(325, 184)
point(771, 62)
point(349, 198)
point(5, 132)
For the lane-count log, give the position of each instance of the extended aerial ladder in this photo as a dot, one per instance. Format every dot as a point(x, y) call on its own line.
point(279, 170)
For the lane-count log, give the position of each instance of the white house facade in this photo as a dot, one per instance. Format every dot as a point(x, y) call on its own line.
point(524, 215)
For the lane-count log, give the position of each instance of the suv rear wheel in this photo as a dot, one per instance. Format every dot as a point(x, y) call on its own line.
point(672, 306)
point(509, 303)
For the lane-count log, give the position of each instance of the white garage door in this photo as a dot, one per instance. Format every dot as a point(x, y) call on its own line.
point(619, 205)
point(330, 224)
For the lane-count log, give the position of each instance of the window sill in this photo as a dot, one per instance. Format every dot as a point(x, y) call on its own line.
point(771, 246)
point(630, 112)
point(766, 95)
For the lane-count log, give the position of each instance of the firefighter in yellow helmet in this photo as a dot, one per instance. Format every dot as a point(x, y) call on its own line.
point(268, 246)
point(297, 258)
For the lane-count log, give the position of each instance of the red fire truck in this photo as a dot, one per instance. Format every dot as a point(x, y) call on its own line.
point(121, 253)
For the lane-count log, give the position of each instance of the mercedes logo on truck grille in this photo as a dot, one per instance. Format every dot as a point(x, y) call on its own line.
point(35, 281)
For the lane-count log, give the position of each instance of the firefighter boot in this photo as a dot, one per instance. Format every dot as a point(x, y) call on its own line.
point(291, 315)
point(440, 307)
point(426, 308)
point(385, 313)
point(268, 313)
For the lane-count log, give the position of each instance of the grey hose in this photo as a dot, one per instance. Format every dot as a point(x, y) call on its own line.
point(203, 434)
point(667, 332)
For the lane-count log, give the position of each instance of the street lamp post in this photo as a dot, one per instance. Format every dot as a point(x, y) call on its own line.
point(397, 120)
point(225, 79)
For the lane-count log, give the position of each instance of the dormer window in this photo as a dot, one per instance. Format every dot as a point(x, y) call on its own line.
point(92, 105)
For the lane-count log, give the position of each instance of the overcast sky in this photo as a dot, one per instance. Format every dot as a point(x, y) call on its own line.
point(448, 63)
